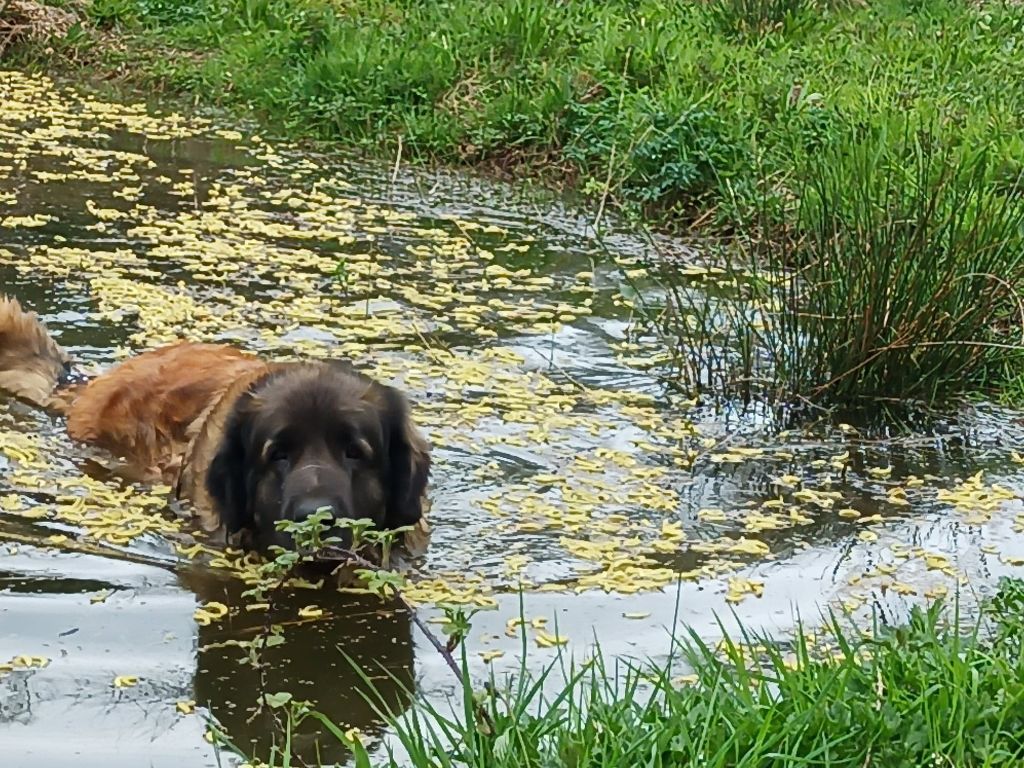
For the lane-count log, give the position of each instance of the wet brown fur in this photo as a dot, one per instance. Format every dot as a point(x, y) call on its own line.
point(182, 413)
point(30, 360)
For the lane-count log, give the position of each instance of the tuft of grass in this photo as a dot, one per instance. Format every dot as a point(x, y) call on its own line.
point(758, 17)
point(897, 277)
point(937, 690)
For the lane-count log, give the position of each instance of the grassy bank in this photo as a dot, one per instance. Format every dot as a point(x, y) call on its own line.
point(679, 109)
point(927, 693)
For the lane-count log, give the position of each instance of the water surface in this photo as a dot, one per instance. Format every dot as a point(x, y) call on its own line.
point(563, 466)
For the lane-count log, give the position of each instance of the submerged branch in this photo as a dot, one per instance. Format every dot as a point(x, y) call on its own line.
point(440, 647)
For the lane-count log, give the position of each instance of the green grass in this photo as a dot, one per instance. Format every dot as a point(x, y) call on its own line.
point(677, 109)
point(932, 692)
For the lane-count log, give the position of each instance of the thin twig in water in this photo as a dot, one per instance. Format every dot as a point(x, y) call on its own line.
point(398, 161)
point(435, 641)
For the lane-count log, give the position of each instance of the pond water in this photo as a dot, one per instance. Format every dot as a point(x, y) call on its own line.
point(562, 466)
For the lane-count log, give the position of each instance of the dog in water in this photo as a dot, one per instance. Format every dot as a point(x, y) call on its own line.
point(249, 442)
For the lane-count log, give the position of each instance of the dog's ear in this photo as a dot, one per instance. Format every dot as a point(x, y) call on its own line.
point(227, 480)
point(408, 465)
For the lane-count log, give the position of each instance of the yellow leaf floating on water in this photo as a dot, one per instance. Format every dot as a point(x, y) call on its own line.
point(788, 481)
point(879, 472)
point(547, 640)
point(823, 499)
point(976, 501)
point(899, 550)
point(747, 546)
point(189, 552)
point(28, 662)
point(531, 527)
point(936, 562)
point(215, 609)
point(851, 604)
point(354, 734)
point(442, 590)
point(186, 707)
point(126, 681)
point(1014, 560)
point(740, 588)
point(101, 597)
point(35, 220)
point(898, 496)
point(305, 584)
point(672, 530)
point(11, 502)
point(311, 612)
point(489, 656)
point(867, 536)
point(209, 613)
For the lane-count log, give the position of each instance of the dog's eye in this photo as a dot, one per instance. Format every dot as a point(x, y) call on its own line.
point(275, 453)
point(357, 450)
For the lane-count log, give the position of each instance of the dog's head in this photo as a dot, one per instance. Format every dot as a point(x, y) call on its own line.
point(315, 436)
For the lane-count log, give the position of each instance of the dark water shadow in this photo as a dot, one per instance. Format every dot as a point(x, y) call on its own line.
point(375, 636)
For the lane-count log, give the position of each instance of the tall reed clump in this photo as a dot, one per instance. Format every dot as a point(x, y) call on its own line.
point(896, 277)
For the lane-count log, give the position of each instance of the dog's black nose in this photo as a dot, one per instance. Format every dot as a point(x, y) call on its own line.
point(305, 508)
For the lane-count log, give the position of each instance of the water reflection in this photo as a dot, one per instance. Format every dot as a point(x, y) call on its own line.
point(376, 636)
